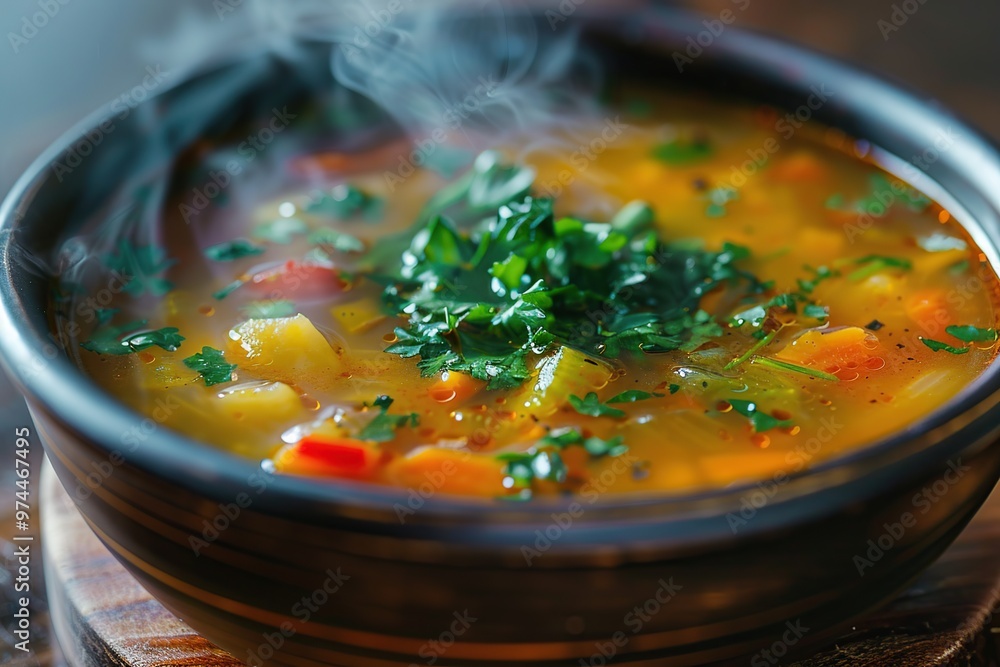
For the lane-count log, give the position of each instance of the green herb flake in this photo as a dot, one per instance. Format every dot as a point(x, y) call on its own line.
point(633, 395)
point(267, 310)
point(761, 421)
point(346, 201)
point(938, 346)
point(227, 290)
point(233, 250)
point(591, 406)
point(383, 427)
point(674, 388)
point(970, 334)
point(211, 365)
point(331, 239)
point(117, 341)
point(682, 152)
point(281, 230)
point(142, 266)
point(872, 264)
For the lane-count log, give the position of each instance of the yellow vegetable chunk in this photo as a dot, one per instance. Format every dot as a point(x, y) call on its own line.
point(259, 402)
point(557, 375)
point(286, 349)
point(358, 316)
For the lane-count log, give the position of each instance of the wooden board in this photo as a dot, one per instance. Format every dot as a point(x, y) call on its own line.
point(101, 616)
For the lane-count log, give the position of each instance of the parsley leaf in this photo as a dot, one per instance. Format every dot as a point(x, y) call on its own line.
point(142, 266)
point(543, 462)
point(873, 264)
point(761, 421)
point(330, 239)
point(383, 427)
point(346, 201)
point(937, 346)
point(970, 334)
point(116, 340)
point(211, 365)
point(232, 250)
point(633, 395)
point(683, 151)
point(484, 297)
point(591, 406)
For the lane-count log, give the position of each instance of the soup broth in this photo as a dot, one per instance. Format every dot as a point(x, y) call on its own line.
point(679, 297)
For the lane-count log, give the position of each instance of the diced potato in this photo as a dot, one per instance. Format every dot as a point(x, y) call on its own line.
point(286, 349)
point(449, 471)
point(358, 316)
point(259, 402)
point(557, 375)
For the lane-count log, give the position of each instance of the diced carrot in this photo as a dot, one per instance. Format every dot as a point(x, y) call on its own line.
point(449, 471)
point(329, 457)
point(800, 167)
point(929, 310)
point(455, 387)
point(835, 351)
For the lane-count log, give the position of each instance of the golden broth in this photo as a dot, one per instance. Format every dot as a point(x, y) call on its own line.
point(791, 201)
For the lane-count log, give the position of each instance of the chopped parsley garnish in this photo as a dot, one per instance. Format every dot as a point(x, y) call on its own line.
point(227, 290)
point(683, 151)
point(633, 395)
point(874, 325)
point(330, 239)
point(873, 264)
point(883, 196)
point(970, 334)
point(143, 266)
point(481, 301)
point(674, 388)
point(591, 406)
point(211, 365)
point(233, 250)
point(761, 421)
point(383, 427)
point(281, 230)
point(116, 340)
point(718, 198)
point(344, 202)
point(807, 285)
point(265, 310)
point(543, 462)
point(938, 346)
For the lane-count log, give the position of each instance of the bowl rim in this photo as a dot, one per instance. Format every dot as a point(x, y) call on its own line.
point(56, 385)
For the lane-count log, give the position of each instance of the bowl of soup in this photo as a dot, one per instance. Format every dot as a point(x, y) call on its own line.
point(699, 363)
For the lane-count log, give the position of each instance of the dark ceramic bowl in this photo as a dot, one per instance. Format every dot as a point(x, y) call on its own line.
point(326, 573)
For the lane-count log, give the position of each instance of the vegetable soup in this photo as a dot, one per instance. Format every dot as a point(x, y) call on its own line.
point(691, 295)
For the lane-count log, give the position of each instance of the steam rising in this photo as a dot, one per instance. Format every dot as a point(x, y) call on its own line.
point(464, 73)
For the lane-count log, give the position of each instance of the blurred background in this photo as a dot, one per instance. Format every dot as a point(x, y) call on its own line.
point(61, 59)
